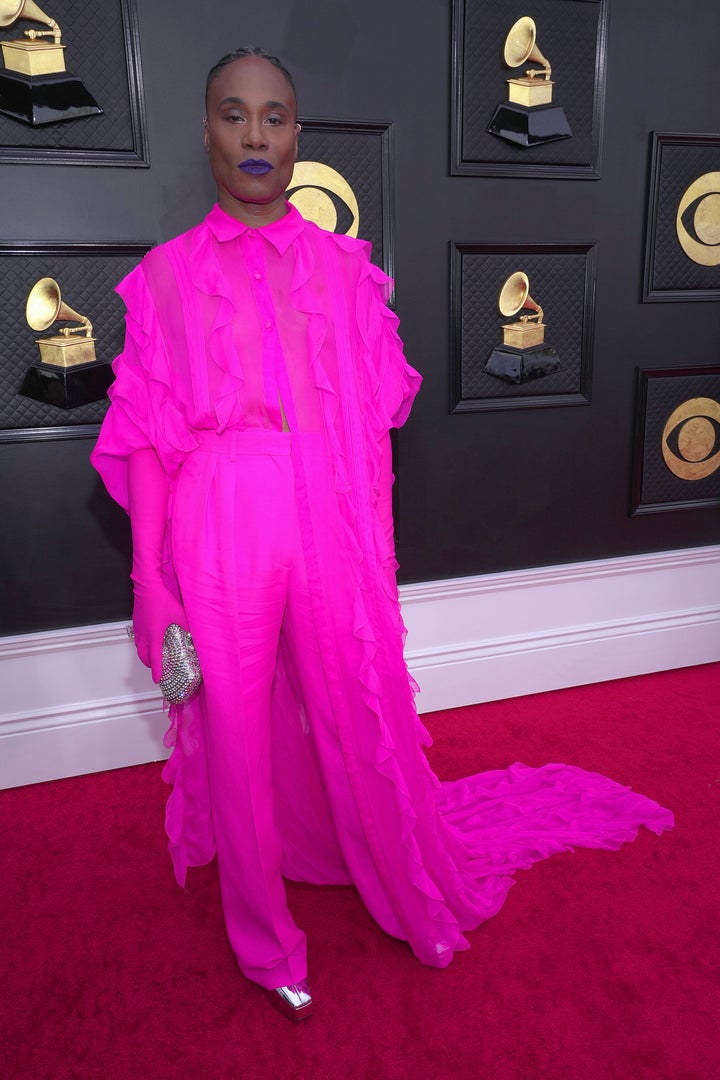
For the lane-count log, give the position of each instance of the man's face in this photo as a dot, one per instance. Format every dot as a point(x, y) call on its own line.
point(251, 138)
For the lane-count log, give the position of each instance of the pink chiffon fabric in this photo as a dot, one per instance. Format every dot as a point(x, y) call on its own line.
point(205, 353)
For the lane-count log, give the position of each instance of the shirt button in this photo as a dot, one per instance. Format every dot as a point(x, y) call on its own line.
point(268, 325)
point(258, 275)
point(251, 232)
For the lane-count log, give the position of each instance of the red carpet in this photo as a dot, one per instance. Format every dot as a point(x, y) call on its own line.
point(601, 965)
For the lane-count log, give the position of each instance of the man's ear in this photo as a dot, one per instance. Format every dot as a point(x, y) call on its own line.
point(206, 135)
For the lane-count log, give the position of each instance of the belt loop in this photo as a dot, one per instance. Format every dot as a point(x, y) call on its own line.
point(233, 445)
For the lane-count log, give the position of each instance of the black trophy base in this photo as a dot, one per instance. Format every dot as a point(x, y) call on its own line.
point(67, 388)
point(529, 126)
point(45, 99)
point(522, 365)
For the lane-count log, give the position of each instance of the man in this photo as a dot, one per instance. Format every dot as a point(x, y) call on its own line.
point(248, 438)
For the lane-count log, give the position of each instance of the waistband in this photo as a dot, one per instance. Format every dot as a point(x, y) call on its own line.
point(249, 441)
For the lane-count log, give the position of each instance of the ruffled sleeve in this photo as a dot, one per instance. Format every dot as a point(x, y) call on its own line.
point(392, 382)
point(142, 411)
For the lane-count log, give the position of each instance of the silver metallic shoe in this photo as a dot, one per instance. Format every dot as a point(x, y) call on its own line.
point(292, 1001)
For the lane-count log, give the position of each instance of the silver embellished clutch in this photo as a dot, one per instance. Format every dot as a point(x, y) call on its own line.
point(181, 675)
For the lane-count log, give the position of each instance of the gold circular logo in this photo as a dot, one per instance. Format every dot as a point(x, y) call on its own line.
point(314, 189)
point(690, 442)
point(698, 220)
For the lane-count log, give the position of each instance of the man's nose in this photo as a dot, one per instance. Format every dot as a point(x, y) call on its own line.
point(255, 134)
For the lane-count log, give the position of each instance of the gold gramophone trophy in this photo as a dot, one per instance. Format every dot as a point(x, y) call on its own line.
point(35, 87)
point(68, 373)
point(523, 355)
point(528, 117)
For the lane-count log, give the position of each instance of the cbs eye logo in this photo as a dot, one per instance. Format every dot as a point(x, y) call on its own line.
point(322, 195)
point(691, 439)
point(698, 220)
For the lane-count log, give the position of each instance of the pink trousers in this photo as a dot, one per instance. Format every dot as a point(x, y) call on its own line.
point(241, 569)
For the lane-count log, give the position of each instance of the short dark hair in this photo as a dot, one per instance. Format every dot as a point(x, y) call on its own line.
point(240, 54)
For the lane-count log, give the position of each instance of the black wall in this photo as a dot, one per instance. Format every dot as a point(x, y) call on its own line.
point(478, 492)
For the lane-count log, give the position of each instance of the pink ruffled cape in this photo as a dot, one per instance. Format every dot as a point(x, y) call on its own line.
point(443, 854)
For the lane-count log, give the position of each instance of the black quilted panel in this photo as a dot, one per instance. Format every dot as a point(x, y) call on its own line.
point(86, 282)
point(97, 52)
point(679, 167)
point(659, 485)
point(361, 157)
point(558, 284)
point(567, 34)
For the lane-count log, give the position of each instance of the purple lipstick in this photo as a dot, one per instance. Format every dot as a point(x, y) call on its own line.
point(255, 166)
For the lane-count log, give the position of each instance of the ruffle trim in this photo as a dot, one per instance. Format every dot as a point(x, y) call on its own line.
point(188, 818)
point(165, 424)
point(388, 387)
point(393, 382)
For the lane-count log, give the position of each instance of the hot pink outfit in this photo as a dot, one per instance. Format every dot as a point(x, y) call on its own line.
point(303, 753)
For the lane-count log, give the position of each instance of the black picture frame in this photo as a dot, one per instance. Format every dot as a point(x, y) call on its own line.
point(562, 279)
point(578, 39)
point(362, 152)
point(87, 275)
point(103, 48)
point(661, 394)
point(677, 161)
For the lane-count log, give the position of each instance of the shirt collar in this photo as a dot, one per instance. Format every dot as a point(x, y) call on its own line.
point(280, 233)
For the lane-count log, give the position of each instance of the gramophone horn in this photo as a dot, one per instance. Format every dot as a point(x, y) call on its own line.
point(515, 295)
point(520, 45)
point(10, 10)
point(45, 306)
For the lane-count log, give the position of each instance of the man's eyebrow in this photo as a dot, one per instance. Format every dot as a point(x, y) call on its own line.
point(240, 101)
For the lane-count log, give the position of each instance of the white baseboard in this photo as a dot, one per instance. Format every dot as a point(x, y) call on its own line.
point(527, 631)
point(78, 701)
